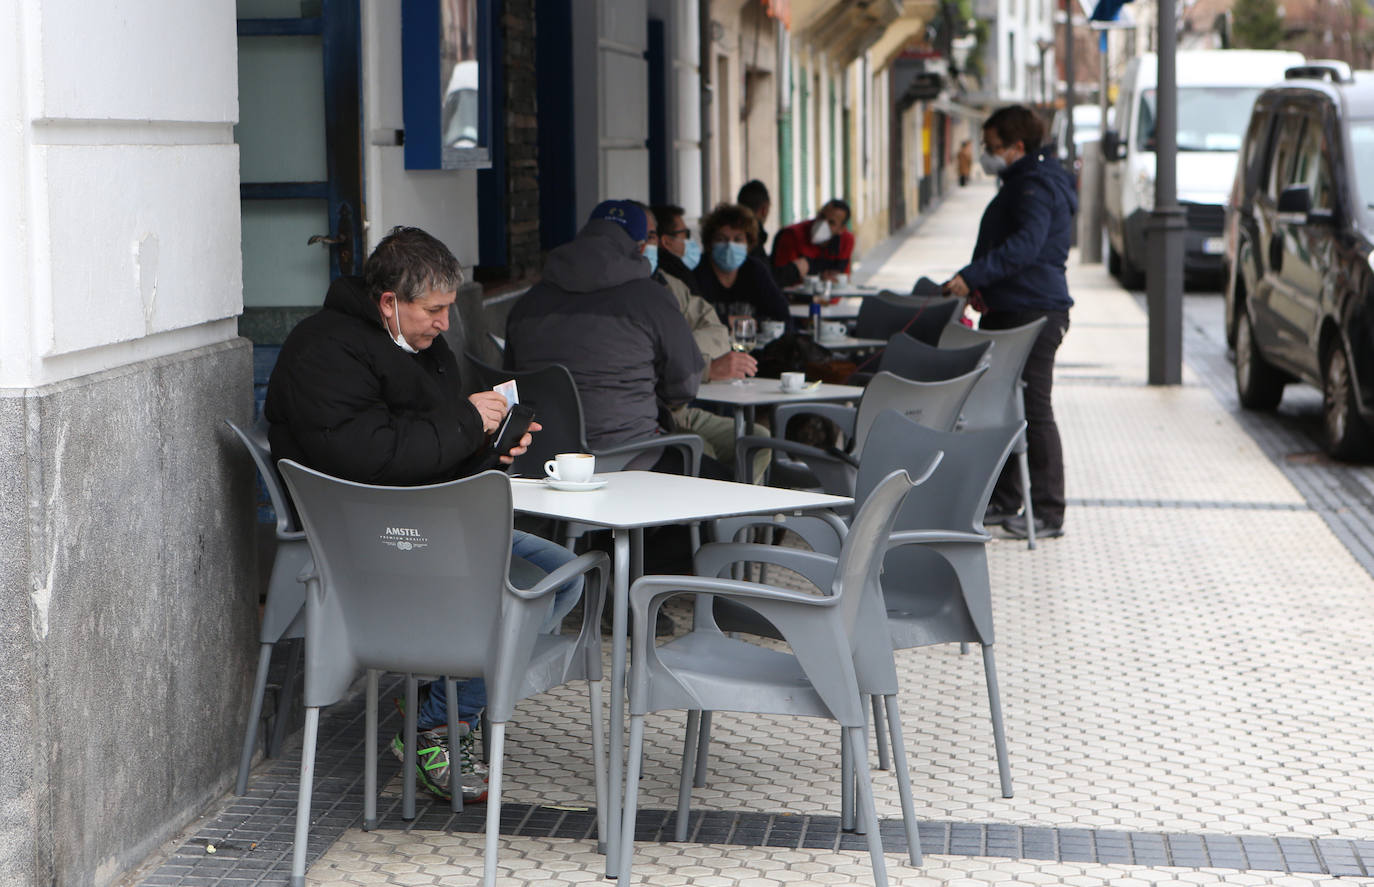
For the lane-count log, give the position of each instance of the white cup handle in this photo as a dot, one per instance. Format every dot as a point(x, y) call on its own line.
point(551, 469)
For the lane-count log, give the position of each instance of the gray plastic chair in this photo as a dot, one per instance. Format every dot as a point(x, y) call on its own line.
point(416, 580)
point(935, 579)
point(281, 613)
point(881, 316)
point(821, 676)
point(915, 360)
point(935, 576)
point(832, 470)
point(998, 399)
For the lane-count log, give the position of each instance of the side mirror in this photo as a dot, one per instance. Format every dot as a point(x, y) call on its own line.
point(1112, 146)
point(1295, 202)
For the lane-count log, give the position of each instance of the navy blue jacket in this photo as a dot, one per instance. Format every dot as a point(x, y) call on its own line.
point(1023, 240)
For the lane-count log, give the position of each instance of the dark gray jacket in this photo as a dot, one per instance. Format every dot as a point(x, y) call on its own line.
point(618, 332)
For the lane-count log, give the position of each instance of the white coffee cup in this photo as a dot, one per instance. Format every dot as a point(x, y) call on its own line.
point(793, 381)
point(575, 468)
point(832, 330)
point(770, 330)
point(813, 283)
point(841, 280)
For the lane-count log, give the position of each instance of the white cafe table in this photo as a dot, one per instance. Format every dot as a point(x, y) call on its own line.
point(848, 343)
point(847, 308)
point(745, 394)
point(631, 501)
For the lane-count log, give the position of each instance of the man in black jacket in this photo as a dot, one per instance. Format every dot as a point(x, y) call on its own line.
point(368, 390)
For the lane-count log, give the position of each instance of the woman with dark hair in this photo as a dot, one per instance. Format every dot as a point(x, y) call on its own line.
point(1016, 277)
point(729, 274)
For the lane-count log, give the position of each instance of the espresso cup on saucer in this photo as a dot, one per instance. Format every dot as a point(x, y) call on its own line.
point(574, 468)
point(793, 382)
point(832, 330)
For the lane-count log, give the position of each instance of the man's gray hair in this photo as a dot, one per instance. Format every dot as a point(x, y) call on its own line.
point(410, 262)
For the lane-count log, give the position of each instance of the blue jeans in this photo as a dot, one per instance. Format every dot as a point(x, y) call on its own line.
point(472, 695)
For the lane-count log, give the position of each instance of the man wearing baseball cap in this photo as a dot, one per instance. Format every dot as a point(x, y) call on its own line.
point(597, 312)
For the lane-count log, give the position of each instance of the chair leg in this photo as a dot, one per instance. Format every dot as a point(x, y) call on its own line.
point(999, 736)
point(486, 737)
point(627, 813)
point(963, 648)
point(1024, 462)
point(307, 784)
point(598, 762)
point(884, 759)
point(684, 783)
point(894, 726)
point(250, 733)
point(498, 757)
point(285, 696)
point(455, 757)
point(408, 758)
point(703, 751)
point(863, 778)
point(370, 754)
point(846, 783)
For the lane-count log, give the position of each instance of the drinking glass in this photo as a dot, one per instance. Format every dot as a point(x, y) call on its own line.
point(743, 333)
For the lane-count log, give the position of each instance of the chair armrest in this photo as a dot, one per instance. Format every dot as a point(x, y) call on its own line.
point(577, 566)
point(290, 535)
point(690, 443)
point(819, 569)
point(745, 446)
point(930, 537)
point(841, 415)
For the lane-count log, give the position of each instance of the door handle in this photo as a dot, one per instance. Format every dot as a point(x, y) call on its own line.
point(325, 239)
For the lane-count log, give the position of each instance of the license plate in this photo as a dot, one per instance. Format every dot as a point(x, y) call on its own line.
point(1214, 246)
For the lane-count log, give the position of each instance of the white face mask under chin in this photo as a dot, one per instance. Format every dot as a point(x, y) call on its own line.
point(820, 232)
point(399, 339)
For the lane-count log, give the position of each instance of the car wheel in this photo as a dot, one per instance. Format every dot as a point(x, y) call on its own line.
point(1258, 385)
point(1347, 436)
point(1132, 277)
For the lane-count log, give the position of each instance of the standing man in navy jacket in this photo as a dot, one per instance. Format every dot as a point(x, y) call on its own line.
point(1016, 277)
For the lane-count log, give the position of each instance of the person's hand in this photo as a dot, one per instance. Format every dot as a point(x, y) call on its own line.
point(975, 301)
point(508, 458)
point(491, 407)
point(803, 266)
point(831, 276)
point(735, 365)
point(955, 286)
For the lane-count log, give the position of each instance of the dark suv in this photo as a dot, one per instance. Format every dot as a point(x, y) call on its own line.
point(1299, 232)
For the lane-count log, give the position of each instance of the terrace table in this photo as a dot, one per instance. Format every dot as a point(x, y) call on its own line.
point(847, 308)
point(745, 394)
point(631, 501)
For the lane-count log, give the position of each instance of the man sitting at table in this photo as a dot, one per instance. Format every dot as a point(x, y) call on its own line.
point(598, 312)
point(753, 195)
point(822, 241)
point(368, 390)
point(678, 253)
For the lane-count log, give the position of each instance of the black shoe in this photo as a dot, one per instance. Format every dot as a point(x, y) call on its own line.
point(995, 516)
point(1016, 526)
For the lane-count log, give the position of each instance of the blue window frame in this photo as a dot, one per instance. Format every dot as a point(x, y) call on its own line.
point(449, 77)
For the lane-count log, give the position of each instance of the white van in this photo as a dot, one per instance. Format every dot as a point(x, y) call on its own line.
point(1216, 91)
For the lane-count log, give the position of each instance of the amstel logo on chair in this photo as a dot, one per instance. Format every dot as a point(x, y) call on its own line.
point(404, 538)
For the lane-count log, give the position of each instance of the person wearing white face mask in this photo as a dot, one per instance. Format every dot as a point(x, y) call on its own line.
point(729, 274)
point(1016, 277)
point(823, 243)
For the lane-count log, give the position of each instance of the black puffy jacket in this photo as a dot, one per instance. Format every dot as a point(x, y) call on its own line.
point(1023, 238)
point(346, 400)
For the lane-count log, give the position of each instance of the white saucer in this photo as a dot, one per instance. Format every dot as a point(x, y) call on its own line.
point(792, 390)
point(569, 486)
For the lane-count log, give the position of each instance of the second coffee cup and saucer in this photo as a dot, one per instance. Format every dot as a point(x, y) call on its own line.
point(572, 473)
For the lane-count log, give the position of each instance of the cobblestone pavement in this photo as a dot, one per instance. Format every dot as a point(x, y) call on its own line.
point(1186, 683)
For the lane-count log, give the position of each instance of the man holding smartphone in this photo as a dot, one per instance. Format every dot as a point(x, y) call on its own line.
point(367, 389)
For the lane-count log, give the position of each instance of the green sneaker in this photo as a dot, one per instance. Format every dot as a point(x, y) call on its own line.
point(433, 769)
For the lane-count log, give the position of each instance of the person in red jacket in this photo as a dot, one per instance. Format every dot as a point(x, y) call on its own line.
point(818, 246)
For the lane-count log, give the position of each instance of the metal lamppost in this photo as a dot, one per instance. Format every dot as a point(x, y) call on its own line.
point(1043, 46)
point(1164, 277)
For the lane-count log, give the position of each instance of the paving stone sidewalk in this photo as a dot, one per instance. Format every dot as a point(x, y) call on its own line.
point(1186, 682)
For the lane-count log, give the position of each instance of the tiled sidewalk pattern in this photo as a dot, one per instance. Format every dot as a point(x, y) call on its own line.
point(1185, 679)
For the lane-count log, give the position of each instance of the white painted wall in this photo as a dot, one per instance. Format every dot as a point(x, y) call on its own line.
point(122, 184)
point(443, 202)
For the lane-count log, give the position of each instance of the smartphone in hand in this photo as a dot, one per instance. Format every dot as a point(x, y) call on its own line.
point(512, 430)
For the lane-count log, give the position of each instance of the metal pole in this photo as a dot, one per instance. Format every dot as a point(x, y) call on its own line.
point(708, 105)
point(1068, 80)
point(1164, 292)
point(784, 81)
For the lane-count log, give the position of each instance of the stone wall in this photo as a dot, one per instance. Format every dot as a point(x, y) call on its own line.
point(522, 140)
point(130, 610)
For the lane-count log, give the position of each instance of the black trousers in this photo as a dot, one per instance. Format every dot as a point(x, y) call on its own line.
point(1044, 451)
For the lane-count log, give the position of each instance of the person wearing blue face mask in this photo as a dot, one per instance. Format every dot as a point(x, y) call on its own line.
point(729, 274)
point(678, 254)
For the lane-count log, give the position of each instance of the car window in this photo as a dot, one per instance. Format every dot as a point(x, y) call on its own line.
point(1311, 167)
point(1285, 146)
point(1362, 162)
point(1210, 118)
point(1257, 141)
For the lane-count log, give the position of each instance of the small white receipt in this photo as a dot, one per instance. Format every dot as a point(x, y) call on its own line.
point(509, 392)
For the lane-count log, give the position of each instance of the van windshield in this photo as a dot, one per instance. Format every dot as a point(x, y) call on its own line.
point(1362, 155)
point(1210, 118)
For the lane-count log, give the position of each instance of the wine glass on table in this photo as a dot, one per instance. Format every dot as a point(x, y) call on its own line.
point(744, 331)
